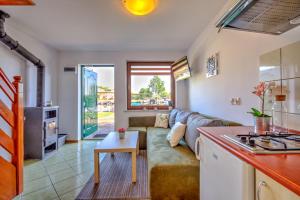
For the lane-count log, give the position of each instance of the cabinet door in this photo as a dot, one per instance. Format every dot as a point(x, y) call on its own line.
point(268, 189)
point(222, 175)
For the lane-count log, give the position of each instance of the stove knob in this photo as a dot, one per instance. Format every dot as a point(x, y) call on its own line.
point(244, 139)
point(252, 143)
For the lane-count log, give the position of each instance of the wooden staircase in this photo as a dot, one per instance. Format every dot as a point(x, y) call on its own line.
point(11, 170)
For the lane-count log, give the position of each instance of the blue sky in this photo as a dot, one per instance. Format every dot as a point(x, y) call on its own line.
point(105, 76)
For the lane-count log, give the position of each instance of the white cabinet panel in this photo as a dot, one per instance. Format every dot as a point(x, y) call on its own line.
point(268, 189)
point(223, 175)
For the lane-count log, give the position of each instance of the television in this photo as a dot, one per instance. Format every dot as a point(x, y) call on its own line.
point(181, 69)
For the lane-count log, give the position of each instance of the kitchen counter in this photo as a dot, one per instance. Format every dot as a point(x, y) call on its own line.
point(283, 168)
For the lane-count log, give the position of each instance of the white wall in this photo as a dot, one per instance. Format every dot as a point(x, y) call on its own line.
point(68, 84)
point(12, 64)
point(239, 60)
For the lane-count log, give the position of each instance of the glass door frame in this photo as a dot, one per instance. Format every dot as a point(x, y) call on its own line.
point(93, 125)
point(80, 107)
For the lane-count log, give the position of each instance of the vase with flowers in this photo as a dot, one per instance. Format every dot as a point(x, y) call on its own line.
point(121, 132)
point(261, 120)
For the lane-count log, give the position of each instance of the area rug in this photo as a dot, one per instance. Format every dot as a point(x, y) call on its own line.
point(115, 179)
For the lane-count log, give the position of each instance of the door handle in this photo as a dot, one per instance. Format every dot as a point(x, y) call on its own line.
point(45, 135)
point(215, 156)
point(197, 147)
point(260, 185)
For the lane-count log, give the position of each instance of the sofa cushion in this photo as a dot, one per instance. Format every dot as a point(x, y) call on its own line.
point(145, 121)
point(225, 122)
point(230, 123)
point(173, 172)
point(172, 117)
point(162, 120)
point(182, 116)
point(142, 136)
point(195, 121)
point(176, 134)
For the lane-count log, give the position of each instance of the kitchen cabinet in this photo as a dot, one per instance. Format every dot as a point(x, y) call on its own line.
point(268, 189)
point(222, 174)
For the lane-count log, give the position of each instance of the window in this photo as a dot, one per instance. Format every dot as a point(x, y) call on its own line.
point(150, 85)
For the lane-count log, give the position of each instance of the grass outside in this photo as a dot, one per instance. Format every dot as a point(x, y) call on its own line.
point(105, 114)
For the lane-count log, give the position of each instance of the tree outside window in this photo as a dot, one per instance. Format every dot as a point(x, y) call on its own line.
point(150, 85)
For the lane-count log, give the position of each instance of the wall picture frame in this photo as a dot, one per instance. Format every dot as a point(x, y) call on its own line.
point(212, 65)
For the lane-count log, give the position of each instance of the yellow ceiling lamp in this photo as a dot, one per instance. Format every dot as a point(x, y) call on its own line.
point(140, 7)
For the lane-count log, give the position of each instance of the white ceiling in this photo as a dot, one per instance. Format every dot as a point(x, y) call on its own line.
point(105, 25)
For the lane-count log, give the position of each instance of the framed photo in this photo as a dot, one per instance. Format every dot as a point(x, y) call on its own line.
point(212, 65)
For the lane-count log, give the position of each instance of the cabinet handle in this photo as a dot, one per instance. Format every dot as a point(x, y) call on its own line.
point(260, 185)
point(197, 149)
point(45, 135)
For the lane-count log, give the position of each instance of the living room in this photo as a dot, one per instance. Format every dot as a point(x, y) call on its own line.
point(222, 66)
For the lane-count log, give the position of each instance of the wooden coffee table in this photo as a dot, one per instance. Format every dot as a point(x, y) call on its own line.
point(112, 144)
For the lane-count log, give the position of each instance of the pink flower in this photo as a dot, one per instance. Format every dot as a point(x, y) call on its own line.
point(121, 130)
point(257, 93)
point(260, 89)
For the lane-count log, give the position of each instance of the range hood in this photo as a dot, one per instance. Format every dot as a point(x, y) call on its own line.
point(263, 16)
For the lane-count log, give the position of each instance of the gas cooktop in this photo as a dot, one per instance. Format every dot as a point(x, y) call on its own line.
point(270, 143)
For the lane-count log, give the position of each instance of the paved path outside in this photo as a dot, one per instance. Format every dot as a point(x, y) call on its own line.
point(106, 125)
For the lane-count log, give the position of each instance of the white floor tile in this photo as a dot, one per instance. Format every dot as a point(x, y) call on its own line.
point(62, 175)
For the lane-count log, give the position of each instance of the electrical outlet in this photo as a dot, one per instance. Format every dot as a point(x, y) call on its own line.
point(235, 101)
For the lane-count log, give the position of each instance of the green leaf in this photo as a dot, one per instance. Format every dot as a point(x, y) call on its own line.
point(264, 115)
point(256, 113)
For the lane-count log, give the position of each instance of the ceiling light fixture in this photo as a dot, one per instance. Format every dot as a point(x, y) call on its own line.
point(140, 7)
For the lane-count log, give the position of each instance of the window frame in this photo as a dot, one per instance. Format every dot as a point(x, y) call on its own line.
point(150, 63)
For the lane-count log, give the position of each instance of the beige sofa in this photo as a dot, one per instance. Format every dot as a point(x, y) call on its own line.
point(173, 173)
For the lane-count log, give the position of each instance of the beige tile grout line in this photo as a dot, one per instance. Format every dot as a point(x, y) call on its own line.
point(69, 177)
point(47, 175)
point(54, 188)
point(63, 179)
point(52, 184)
point(51, 181)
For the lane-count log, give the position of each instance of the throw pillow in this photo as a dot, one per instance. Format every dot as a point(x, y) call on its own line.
point(172, 117)
point(194, 122)
point(162, 120)
point(182, 116)
point(176, 134)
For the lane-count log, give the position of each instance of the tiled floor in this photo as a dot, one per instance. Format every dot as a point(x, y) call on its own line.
point(62, 175)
